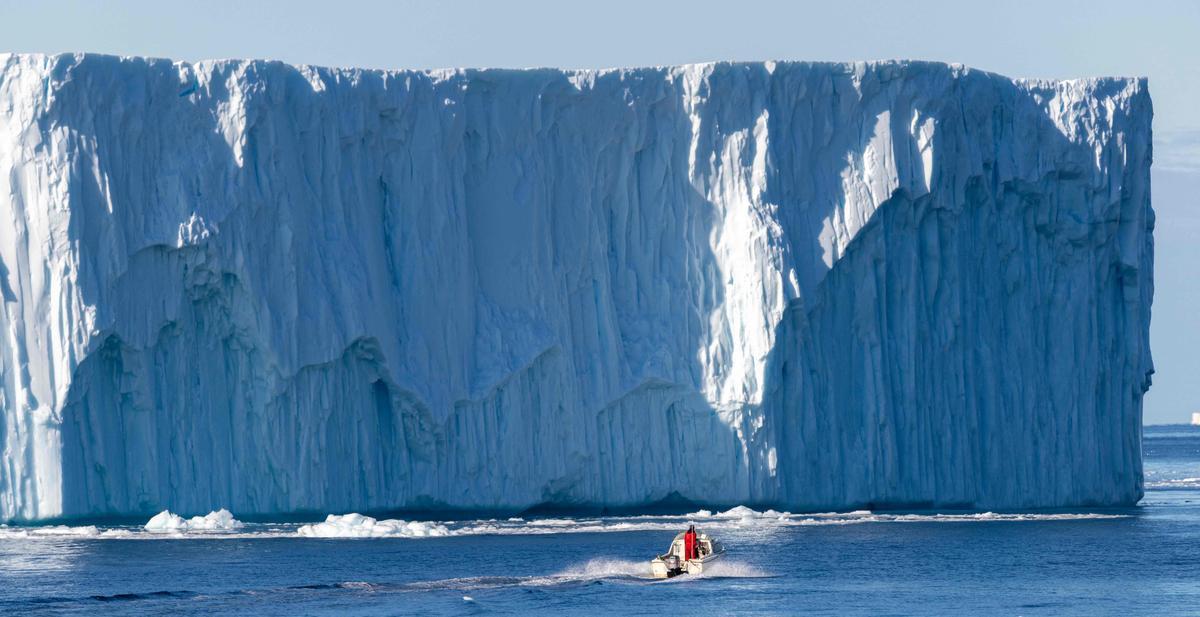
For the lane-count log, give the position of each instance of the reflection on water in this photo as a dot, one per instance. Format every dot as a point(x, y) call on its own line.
point(35, 557)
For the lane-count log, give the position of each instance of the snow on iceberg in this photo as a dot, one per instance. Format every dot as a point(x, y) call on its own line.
point(819, 286)
point(358, 526)
point(166, 521)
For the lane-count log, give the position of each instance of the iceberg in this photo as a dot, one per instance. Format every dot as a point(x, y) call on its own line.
point(812, 286)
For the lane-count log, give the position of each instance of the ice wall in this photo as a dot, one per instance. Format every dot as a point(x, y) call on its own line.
point(274, 288)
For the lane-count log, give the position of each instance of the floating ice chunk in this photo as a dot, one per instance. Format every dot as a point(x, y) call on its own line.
point(746, 514)
point(355, 525)
point(739, 512)
point(166, 521)
point(221, 520)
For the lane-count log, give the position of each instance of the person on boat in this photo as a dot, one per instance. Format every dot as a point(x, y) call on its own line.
point(689, 543)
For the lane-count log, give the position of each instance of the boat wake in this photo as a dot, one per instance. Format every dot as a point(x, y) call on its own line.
point(639, 571)
point(599, 569)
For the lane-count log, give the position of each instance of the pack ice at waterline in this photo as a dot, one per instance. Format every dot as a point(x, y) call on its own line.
point(275, 288)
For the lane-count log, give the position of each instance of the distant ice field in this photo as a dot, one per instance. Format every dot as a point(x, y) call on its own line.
point(353, 525)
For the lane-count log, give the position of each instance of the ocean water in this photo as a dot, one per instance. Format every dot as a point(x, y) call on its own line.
point(1143, 560)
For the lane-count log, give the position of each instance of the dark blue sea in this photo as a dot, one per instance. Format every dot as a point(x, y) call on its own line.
point(1143, 560)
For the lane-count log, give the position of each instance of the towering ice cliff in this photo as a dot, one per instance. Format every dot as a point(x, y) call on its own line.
point(275, 288)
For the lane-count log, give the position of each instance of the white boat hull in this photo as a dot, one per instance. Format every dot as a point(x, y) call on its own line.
point(697, 566)
point(660, 569)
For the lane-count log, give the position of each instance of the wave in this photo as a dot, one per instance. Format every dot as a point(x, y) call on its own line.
point(150, 595)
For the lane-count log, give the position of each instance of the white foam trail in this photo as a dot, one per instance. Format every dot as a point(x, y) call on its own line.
point(605, 568)
point(592, 570)
point(634, 572)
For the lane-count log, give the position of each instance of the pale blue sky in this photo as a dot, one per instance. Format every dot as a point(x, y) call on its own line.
point(1044, 38)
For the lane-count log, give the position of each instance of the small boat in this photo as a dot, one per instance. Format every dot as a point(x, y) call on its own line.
point(675, 562)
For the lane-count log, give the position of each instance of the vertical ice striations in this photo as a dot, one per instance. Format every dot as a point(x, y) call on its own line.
point(274, 288)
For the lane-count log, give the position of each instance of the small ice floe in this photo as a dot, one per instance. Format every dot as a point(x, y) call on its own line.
point(166, 521)
point(355, 525)
point(51, 531)
point(1173, 483)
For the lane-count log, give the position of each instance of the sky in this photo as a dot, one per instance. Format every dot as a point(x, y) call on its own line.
point(1043, 38)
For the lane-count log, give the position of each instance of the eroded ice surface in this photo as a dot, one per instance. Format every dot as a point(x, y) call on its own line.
point(821, 286)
